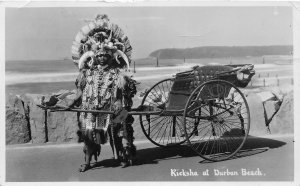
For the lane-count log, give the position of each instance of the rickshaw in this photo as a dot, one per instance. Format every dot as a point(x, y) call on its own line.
point(203, 108)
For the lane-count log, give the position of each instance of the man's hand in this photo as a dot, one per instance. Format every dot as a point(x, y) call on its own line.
point(117, 106)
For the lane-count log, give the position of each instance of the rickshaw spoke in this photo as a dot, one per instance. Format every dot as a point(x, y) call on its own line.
point(227, 113)
point(161, 119)
point(159, 128)
point(154, 126)
point(169, 135)
point(231, 138)
point(164, 125)
point(161, 133)
point(163, 92)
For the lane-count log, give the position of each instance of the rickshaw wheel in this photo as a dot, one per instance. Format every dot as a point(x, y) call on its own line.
point(163, 131)
point(223, 120)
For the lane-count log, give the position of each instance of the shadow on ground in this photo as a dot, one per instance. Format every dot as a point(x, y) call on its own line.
point(253, 146)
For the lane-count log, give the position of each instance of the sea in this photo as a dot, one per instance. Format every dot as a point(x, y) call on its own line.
point(39, 77)
point(49, 76)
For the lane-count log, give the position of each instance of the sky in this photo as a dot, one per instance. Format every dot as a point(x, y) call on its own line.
point(47, 33)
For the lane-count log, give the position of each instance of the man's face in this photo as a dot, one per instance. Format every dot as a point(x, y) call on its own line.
point(103, 59)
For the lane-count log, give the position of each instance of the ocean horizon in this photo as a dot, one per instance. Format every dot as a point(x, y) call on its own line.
point(46, 76)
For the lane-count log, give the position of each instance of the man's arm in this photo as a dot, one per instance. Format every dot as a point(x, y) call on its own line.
point(78, 96)
point(80, 84)
point(118, 101)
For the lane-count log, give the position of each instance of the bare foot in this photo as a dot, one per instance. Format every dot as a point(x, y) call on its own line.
point(84, 168)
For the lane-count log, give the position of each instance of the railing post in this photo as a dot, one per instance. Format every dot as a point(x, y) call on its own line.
point(46, 125)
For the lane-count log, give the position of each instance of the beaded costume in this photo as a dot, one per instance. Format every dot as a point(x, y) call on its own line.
point(102, 52)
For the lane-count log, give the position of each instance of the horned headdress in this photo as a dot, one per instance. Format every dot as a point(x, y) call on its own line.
point(100, 35)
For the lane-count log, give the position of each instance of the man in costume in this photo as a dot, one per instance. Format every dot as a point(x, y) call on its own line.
point(103, 53)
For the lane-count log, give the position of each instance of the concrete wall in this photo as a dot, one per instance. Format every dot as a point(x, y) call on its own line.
point(25, 122)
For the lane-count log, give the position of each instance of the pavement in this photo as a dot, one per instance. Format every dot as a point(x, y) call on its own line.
point(262, 158)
